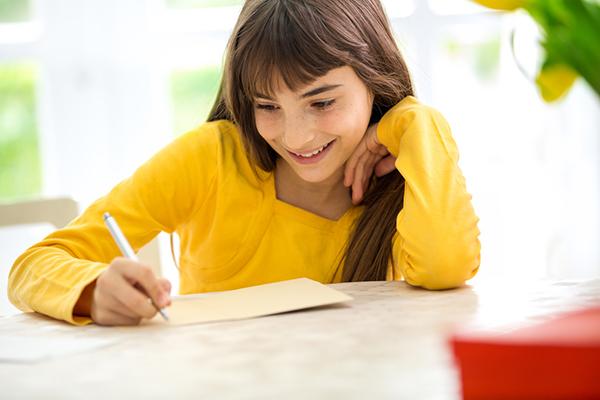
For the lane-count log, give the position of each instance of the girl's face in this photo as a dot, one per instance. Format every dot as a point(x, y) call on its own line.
point(316, 128)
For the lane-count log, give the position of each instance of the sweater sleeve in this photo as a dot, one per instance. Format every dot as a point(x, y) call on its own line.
point(50, 276)
point(436, 245)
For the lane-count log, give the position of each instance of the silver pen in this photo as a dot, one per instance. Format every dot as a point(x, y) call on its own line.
point(126, 249)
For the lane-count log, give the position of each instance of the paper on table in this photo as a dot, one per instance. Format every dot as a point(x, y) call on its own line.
point(32, 349)
point(254, 301)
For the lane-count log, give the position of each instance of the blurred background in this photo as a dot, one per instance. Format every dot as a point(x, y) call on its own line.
point(90, 89)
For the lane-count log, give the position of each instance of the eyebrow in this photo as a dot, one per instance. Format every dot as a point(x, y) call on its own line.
point(310, 93)
point(319, 90)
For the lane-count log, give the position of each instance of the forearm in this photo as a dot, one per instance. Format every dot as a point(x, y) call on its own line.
point(48, 280)
point(437, 244)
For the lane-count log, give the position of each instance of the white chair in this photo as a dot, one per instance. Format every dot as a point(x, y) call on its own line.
point(57, 212)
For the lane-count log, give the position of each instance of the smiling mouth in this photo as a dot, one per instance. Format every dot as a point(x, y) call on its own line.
point(312, 153)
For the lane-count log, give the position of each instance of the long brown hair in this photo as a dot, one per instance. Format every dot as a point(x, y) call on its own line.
point(301, 40)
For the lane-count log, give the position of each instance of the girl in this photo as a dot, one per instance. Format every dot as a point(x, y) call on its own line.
point(316, 161)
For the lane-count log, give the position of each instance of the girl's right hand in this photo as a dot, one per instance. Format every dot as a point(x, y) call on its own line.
point(122, 293)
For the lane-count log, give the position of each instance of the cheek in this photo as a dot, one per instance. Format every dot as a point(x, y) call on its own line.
point(267, 126)
point(350, 124)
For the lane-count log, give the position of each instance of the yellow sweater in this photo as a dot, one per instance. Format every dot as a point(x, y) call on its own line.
point(234, 232)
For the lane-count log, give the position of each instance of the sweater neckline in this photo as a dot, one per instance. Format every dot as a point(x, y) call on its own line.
point(308, 217)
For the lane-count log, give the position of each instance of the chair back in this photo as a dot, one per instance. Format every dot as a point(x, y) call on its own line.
point(56, 211)
point(59, 212)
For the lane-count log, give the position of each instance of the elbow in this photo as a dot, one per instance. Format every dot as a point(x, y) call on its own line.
point(449, 275)
point(444, 267)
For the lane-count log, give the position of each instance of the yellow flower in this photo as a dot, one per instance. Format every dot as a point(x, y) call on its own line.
point(507, 5)
point(554, 81)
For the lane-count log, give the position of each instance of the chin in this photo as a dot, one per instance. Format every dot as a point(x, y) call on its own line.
point(316, 175)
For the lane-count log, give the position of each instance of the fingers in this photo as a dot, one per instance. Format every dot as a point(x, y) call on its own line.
point(116, 293)
point(357, 184)
point(366, 165)
point(107, 310)
point(352, 162)
point(165, 284)
point(108, 317)
point(123, 291)
point(122, 320)
point(385, 166)
point(143, 276)
point(363, 173)
point(357, 187)
point(135, 300)
point(361, 163)
point(372, 143)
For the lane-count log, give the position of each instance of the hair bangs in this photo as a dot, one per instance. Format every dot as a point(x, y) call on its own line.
point(284, 52)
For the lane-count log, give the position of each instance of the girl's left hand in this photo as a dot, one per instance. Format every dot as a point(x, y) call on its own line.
point(369, 156)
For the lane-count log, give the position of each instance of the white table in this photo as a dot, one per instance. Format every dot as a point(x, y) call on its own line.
point(390, 342)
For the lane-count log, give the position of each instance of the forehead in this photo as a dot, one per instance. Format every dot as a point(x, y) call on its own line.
point(276, 84)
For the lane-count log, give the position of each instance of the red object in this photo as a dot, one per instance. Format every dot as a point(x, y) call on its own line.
point(555, 359)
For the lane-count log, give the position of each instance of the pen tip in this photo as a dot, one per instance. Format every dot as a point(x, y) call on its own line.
point(106, 216)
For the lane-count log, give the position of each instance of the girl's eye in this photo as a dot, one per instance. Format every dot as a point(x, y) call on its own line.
point(322, 105)
point(267, 107)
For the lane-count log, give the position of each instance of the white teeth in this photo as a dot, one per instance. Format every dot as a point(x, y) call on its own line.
point(314, 153)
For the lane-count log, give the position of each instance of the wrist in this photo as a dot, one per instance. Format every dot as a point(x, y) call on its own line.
point(83, 307)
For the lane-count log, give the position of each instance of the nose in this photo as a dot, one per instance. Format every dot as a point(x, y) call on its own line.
point(297, 134)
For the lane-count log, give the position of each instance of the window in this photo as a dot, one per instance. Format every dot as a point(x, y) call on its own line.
point(20, 169)
point(15, 10)
point(193, 93)
point(20, 174)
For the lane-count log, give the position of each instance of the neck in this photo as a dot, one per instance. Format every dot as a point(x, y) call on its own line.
point(329, 198)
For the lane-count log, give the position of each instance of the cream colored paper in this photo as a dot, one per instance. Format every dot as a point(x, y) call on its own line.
point(254, 301)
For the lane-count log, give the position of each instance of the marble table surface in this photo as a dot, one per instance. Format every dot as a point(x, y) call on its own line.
point(389, 342)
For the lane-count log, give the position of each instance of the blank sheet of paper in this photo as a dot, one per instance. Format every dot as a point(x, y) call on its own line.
point(254, 301)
